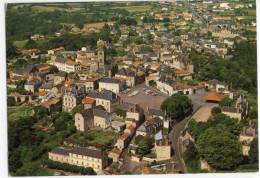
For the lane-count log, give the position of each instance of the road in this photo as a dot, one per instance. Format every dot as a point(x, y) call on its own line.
point(174, 135)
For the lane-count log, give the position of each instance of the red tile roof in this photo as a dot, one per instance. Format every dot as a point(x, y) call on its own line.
point(88, 100)
point(214, 96)
point(183, 72)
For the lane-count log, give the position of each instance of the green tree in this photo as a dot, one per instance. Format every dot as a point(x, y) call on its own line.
point(14, 160)
point(40, 112)
point(77, 109)
point(177, 106)
point(152, 83)
point(121, 112)
point(228, 124)
point(169, 72)
point(226, 102)
point(215, 110)
point(11, 50)
point(145, 146)
point(191, 158)
point(31, 44)
point(62, 121)
point(253, 152)
point(220, 149)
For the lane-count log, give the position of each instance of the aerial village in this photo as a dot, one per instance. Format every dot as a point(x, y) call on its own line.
point(109, 109)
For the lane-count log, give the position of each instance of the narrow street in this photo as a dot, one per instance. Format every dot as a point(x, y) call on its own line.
point(174, 135)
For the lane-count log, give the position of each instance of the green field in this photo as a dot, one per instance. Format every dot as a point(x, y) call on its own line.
point(20, 44)
point(16, 112)
point(143, 8)
point(45, 8)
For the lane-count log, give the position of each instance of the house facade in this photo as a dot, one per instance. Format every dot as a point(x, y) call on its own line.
point(80, 156)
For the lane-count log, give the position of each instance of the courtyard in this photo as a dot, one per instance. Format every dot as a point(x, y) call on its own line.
point(146, 97)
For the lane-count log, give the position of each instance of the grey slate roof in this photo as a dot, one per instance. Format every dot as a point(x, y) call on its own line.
point(125, 72)
point(155, 112)
point(105, 94)
point(109, 80)
point(101, 113)
point(60, 150)
point(87, 113)
point(88, 151)
point(215, 81)
point(229, 109)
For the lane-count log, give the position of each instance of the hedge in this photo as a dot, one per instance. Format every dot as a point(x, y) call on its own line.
point(69, 168)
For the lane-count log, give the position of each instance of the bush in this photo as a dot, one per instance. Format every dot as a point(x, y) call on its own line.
point(69, 168)
point(152, 83)
point(121, 112)
point(215, 110)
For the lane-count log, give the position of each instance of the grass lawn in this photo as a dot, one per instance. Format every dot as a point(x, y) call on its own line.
point(97, 138)
point(20, 44)
point(16, 112)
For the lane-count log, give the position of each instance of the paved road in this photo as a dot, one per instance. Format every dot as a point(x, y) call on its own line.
point(174, 135)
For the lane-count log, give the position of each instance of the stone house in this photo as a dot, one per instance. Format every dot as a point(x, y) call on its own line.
point(105, 98)
point(128, 75)
point(59, 77)
point(88, 102)
point(51, 104)
point(150, 127)
point(84, 120)
point(216, 85)
point(70, 100)
point(246, 138)
point(32, 85)
point(80, 156)
point(162, 147)
point(67, 65)
point(55, 51)
point(111, 84)
point(102, 118)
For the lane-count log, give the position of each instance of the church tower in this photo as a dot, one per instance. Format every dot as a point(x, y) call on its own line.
point(101, 56)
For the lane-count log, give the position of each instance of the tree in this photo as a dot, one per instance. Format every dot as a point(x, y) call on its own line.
point(11, 50)
point(169, 72)
point(104, 33)
point(215, 110)
point(152, 83)
point(145, 146)
point(177, 106)
point(197, 128)
point(54, 69)
point(61, 121)
point(226, 102)
point(227, 123)
point(31, 44)
point(40, 112)
point(220, 149)
point(60, 124)
point(253, 152)
point(14, 160)
point(121, 112)
point(191, 158)
point(77, 109)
